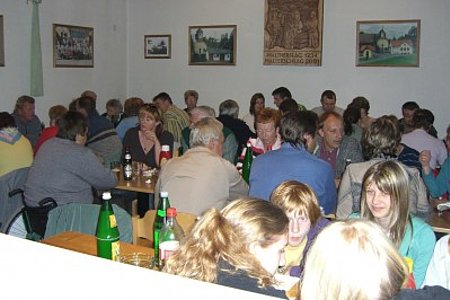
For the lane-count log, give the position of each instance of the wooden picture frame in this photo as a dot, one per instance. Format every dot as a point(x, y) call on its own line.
point(212, 45)
point(293, 32)
point(2, 43)
point(388, 43)
point(157, 46)
point(73, 46)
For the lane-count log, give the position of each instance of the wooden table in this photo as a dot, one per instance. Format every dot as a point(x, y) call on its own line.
point(137, 184)
point(85, 243)
point(439, 221)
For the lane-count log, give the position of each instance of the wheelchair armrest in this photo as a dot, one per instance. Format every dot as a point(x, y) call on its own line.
point(15, 192)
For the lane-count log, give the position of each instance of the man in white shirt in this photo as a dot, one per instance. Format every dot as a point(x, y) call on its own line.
point(328, 104)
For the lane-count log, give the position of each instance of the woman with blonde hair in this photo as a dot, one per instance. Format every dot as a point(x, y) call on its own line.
point(239, 246)
point(146, 139)
point(301, 206)
point(352, 260)
point(385, 200)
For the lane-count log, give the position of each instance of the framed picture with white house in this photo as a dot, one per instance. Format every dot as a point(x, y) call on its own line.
point(158, 46)
point(392, 43)
point(212, 45)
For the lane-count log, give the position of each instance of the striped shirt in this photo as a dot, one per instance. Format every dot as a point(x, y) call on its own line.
point(174, 121)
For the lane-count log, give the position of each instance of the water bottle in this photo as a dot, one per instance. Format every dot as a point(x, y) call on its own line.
point(159, 222)
point(164, 155)
point(170, 236)
point(107, 233)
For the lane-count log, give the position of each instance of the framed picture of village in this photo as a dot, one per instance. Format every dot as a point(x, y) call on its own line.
point(212, 45)
point(388, 43)
point(157, 46)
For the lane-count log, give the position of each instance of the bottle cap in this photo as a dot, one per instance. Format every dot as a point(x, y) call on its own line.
point(171, 212)
point(165, 148)
point(106, 196)
point(164, 194)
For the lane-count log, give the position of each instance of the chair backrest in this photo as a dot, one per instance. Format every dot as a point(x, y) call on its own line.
point(11, 206)
point(143, 227)
point(83, 218)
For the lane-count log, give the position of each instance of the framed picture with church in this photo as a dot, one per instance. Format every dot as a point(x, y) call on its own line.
point(392, 43)
point(212, 45)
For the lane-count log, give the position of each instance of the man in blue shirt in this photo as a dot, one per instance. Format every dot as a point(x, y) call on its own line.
point(294, 161)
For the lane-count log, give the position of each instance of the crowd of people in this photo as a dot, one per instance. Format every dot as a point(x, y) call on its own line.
point(335, 196)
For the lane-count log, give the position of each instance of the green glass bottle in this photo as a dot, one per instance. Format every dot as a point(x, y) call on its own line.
point(107, 233)
point(247, 163)
point(160, 220)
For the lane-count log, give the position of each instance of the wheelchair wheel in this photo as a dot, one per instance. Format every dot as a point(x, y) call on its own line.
point(17, 227)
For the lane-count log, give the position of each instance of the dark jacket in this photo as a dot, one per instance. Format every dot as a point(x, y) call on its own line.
point(240, 129)
point(310, 237)
point(240, 280)
point(428, 292)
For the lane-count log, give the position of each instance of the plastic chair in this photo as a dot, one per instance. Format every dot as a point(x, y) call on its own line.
point(83, 218)
point(143, 227)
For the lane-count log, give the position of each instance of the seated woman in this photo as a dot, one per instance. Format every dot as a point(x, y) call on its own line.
point(145, 140)
point(385, 200)
point(64, 169)
point(301, 206)
point(363, 264)
point(352, 116)
point(363, 105)
point(267, 122)
point(239, 246)
point(257, 102)
point(441, 183)
point(15, 149)
point(54, 113)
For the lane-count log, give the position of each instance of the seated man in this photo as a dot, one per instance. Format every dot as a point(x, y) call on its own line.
point(328, 104)
point(280, 94)
point(130, 117)
point(198, 113)
point(102, 137)
point(174, 118)
point(26, 120)
point(201, 178)
point(335, 147)
point(293, 161)
point(380, 141)
point(228, 116)
point(64, 169)
point(419, 139)
point(407, 123)
point(114, 111)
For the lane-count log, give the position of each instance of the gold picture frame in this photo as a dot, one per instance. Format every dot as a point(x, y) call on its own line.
point(212, 45)
point(73, 46)
point(388, 43)
point(157, 46)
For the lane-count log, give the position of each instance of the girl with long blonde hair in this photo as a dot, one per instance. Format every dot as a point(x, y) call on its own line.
point(239, 246)
point(385, 200)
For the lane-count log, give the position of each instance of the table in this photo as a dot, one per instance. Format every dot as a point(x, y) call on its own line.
point(439, 221)
point(87, 244)
point(137, 184)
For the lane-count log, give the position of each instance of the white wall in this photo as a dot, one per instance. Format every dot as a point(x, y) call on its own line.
point(386, 88)
point(61, 85)
point(121, 70)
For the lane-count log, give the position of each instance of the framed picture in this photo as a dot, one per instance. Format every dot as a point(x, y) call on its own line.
point(388, 43)
point(2, 44)
point(158, 46)
point(212, 45)
point(73, 46)
point(293, 32)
